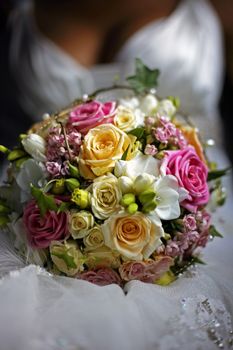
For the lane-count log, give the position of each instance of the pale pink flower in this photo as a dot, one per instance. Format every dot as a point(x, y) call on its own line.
point(150, 150)
point(189, 222)
point(53, 168)
point(102, 276)
point(172, 249)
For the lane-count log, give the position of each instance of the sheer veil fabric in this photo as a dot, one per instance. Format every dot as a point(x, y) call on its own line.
point(40, 311)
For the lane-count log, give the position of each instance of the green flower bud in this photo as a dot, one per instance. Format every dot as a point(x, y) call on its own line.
point(150, 206)
point(143, 182)
point(20, 161)
point(81, 198)
point(73, 170)
point(146, 196)
point(167, 236)
point(132, 208)
point(16, 154)
point(4, 149)
point(58, 186)
point(128, 199)
point(72, 184)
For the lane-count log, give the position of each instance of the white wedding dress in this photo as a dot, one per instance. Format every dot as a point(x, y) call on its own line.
point(42, 312)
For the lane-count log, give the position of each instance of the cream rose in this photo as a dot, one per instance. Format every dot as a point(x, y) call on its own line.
point(106, 196)
point(79, 223)
point(102, 147)
point(67, 257)
point(94, 238)
point(102, 257)
point(125, 119)
point(134, 236)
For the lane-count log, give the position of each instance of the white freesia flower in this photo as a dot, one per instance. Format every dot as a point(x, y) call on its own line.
point(149, 104)
point(140, 164)
point(31, 172)
point(125, 184)
point(167, 197)
point(35, 145)
point(166, 107)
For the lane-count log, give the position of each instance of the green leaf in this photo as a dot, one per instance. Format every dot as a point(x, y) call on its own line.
point(197, 260)
point(124, 155)
point(138, 132)
point(213, 232)
point(144, 78)
point(63, 207)
point(44, 201)
point(215, 174)
point(69, 260)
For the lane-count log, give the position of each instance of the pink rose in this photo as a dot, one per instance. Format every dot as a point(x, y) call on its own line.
point(146, 271)
point(101, 277)
point(191, 174)
point(91, 114)
point(42, 230)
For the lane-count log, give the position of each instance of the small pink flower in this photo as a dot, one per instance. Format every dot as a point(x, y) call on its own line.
point(101, 277)
point(172, 249)
point(53, 168)
point(42, 230)
point(91, 114)
point(146, 271)
point(189, 222)
point(150, 150)
point(191, 174)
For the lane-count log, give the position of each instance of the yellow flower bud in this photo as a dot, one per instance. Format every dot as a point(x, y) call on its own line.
point(72, 184)
point(128, 199)
point(4, 149)
point(167, 278)
point(58, 186)
point(132, 208)
point(81, 198)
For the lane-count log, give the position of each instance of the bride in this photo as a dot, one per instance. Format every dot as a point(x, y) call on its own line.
point(51, 68)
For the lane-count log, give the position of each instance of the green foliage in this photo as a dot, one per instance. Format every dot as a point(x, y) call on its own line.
point(215, 174)
point(144, 78)
point(44, 201)
point(213, 232)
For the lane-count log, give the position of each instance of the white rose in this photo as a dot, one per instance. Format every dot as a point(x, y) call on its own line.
point(35, 145)
point(79, 223)
point(149, 104)
point(166, 107)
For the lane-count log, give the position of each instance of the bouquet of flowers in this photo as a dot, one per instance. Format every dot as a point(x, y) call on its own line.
point(112, 191)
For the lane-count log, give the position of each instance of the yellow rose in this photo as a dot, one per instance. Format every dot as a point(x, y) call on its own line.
point(134, 236)
point(94, 238)
point(102, 147)
point(67, 257)
point(125, 119)
point(79, 223)
point(106, 196)
point(102, 257)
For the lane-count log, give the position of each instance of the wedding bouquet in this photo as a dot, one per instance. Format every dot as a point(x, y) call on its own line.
point(110, 191)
